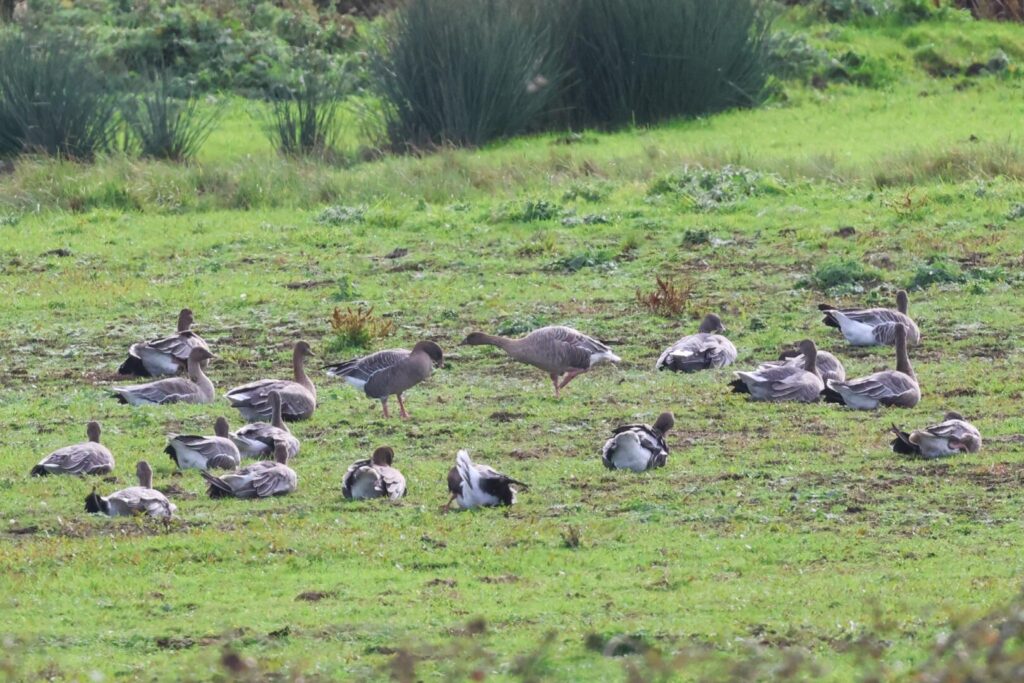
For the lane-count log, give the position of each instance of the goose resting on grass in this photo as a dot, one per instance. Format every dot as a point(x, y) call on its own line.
point(374, 478)
point(259, 480)
point(700, 351)
point(951, 436)
point(90, 457)
point(897, 387)
point(257, 439)
point(196, 388)
point(134, 500)
point(204, 452)
point(386, 373)
point(298, 397)
point(638, 447)
point(783, 382)
point(473, 485)
point(166, 355)
point(872, 326)
point(827, 365)
point(556, 350)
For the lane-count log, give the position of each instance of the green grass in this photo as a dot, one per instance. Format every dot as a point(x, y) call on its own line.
point(774, 529)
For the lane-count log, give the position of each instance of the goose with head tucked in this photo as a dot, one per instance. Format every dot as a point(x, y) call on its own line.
point(828, 366)
point(257, 439)
point(165, 355)
point(557, 350)
point(897, 387)
point(298, 396)
point(196, 388)
point(189, 451)
point(134, 500)
point(473, 485)
point(374, 478)
point(702, 351)
point(784, 382)
point(638, 447)
point(259, 480)
point(952, 436)
point(390, 373)
point(873, 326)
point(90, 457)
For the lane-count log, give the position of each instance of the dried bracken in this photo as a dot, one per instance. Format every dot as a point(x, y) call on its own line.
point(668, 299)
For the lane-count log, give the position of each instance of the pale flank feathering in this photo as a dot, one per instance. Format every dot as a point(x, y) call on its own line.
point(165, 355)
point(702, 351)
point(257, 439)
point(298, 396)
point(134, 500)
point(189, 451)
point(390, 373)
point(196, 388)
point(897, 387)
point(951, 436)
point(784, 382)
point(374, 477)
point(638, 447)
point(827, 365)
point(90, 457)
point(473, 485)
point(260, 480)
point(873, 326)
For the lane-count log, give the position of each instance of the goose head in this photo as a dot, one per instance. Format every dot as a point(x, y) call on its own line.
point(810, 353)
point(303, 350)
point(664, 422)
point(92, 430)
point(711, 324)
point(432, 350)
point(953, 415)
point(383, 456)
point(902, 301)
point(476, 339)
point(281, 452)
point(94, 503)
point(185, 320)
point(198, 355)
point(145, 474)
point(221, 427)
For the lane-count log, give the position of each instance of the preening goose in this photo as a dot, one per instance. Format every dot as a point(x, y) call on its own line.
point(197, 388)
point(828, 366)
point(951, 436)
point(298, 397)
point(638, 447)
point(165, 355)
point(473, 485)
point(135, 500)
point(897, 387)
point(90, 457)
point(784, 382)
point(259, 480)
point(374, 478)
point(556, 350)
point(700, 351)
point(257, 439)
point(872, 326)
point(204, 452)
point(392, 372)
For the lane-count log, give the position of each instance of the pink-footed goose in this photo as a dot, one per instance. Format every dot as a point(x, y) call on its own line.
point(390, 373)
point(638, 447)
point(951, 436)
point(473, 485)
point(298, 396)
point(557, 350)
point(165, 355)
point(897, 387)
point(827, 365)
point(783, 382)
point(260, 480)
point(374, 477)
point(134, 500)
point(196, 388)
point(257, 439)
point(90, 457)
point(702, 351)
point(872, 326)
point(189, 451)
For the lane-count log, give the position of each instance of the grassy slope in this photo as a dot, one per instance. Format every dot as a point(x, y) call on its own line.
point(785, 525)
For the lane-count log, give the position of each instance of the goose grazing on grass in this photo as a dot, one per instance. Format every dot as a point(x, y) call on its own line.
point(638, 447)
point(166, 355)
point(556, 350)
point(872, 326)
point(259, 480)
point(389, 373)
point(257, 440)
point(135, 500)
point(784, 382)
point(204, 452)
point(701, 351)
point(951, 436)
point(897, 387)
point(90, 457)
point(827, 365)
point(197, 388)
point(474, 486)
point(374, 478)
point(298, 397)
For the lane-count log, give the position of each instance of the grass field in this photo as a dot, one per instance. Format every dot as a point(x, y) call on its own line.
point(776, 534)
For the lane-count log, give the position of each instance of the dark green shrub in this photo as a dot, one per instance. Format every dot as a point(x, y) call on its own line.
point(708, 189)
point(643, 61)
point(840, 272)
point(937, 271)
point(167, 127)
point(464, 72)
point(303, 115)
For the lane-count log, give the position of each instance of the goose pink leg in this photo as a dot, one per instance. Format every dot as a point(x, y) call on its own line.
point(570, 376)
point(554, 381)
point(401, 408)
point(384, 404)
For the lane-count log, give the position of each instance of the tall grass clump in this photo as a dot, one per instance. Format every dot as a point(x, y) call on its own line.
point(464, 72)
point(165, 126)
point(54, 99)
point(303, 114)
point(644, 61)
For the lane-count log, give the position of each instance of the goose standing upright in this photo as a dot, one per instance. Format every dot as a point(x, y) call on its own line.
point(638, 447)
point(257, 439)
point(189, 451)
point(951, 436)
point(557, 350)
point(298, 397)
point(784, 382)
point(90, 457)
point(701, 351)
point(473, 485)
point(386, 373)
point(259, 480)
point(165, 355)
point(873, 326)
point(134, 500)
point(374, 478)
point(897, 387)
point(197, 388)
